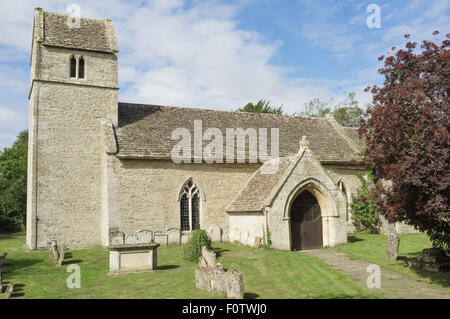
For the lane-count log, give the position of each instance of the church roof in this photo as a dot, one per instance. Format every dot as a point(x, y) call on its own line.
point(94, 35)
point(259, 187)
point(352, 132)
point(144, 131)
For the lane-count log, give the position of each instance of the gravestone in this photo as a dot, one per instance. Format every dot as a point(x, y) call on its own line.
point(55, 249)
point(393, 243)
point(257, 242)
point(161, 238)
point(210, 276)
point(131, 238)
point(203, 279)
point(218, 283)
point(116, 238)
point(174, 236)
point(234, 284)
point(9, 291)
point(215, 233)
point(185, 238)
point(210, 257)
point(145, 236)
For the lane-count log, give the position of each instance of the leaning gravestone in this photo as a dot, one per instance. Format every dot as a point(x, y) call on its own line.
point(62, 254)
point(393, 243)
point(9, 291)
point(55, 249)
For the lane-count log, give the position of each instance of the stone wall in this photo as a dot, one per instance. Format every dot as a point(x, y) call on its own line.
point(146, 193)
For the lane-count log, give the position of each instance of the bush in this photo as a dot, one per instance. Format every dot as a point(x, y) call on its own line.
point(364, 209)
point(193, 248)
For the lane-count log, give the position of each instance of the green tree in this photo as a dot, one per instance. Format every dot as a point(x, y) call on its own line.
point(316, 108)
point(364, 209)
point(262, 106)
point(346, 113)
point(13, 184)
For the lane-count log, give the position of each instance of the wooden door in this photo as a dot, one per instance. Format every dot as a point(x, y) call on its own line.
point(306, 223)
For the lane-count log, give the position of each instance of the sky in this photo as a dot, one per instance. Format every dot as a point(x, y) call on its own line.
point(224, 54)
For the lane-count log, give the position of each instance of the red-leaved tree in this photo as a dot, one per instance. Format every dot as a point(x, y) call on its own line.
point(407, 138)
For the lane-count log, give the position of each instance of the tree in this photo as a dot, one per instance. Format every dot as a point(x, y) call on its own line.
point(13, 184)
point(407, 138)
point(316, 108)
point(262, 106)
point(365, 210)
point(346, 113)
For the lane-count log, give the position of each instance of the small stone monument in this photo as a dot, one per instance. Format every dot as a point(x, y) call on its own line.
point(136, 253)
point(392, 243)
point(210, 276)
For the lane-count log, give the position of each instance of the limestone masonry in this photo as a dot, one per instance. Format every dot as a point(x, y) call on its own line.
point(98, 168)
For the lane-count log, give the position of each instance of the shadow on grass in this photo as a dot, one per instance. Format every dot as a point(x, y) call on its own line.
point(73, 261)
point(219, 251)
point(168, 267)
point(250, 295)
point(14, 265)
point(354, 238)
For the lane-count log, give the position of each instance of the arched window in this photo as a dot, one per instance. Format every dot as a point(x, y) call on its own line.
point(81, 68)
point(190, 198)
point(73, 67)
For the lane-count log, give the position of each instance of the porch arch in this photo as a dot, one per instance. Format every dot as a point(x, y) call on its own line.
point(325, 200)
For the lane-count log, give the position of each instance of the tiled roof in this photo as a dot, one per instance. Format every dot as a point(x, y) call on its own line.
point(96, 35)
point(353, 133)
point(145, 131)
point(259, 187)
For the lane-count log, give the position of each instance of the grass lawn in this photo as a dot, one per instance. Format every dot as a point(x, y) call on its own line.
point(267, 274)
point(372, 248)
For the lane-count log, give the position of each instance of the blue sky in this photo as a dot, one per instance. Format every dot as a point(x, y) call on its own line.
point(223, 54)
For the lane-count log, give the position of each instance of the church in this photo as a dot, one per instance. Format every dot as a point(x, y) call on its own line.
point(98, 167)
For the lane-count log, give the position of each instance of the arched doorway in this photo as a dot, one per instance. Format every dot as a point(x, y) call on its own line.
point(306, 222)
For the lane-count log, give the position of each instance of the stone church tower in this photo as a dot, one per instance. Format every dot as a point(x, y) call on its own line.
point(74, 89)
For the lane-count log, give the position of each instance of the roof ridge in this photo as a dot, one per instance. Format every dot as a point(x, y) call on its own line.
point(67, 15)
point(231, 111)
